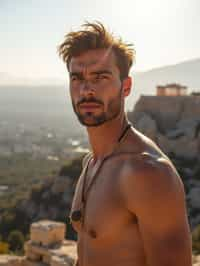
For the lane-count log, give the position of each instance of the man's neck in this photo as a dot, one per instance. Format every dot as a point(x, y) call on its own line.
point(103, 139)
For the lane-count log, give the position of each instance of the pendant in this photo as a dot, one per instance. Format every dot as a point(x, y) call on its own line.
point(77, 215)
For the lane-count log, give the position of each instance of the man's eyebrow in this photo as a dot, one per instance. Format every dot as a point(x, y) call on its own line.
point(97, 72)
point(78, 74)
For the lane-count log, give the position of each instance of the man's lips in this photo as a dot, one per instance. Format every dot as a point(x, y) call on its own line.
point(89, 106)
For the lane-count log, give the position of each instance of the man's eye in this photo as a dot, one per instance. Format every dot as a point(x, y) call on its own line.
point(99, 77)
point(74, 78)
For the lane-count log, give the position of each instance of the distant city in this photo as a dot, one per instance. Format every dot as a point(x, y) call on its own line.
point(40, 141)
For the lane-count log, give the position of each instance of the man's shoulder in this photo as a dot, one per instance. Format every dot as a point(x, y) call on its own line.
point(150, 174)
point(148, 165)
point(147, 158)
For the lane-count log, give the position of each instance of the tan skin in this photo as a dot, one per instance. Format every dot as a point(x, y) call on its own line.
point(135, 213)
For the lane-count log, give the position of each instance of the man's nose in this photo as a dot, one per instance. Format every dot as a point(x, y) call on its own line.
point(87, 88)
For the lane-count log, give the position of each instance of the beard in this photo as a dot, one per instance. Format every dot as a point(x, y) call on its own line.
point(89, 119)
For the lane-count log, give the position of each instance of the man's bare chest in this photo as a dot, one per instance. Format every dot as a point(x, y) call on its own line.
point(103, 210)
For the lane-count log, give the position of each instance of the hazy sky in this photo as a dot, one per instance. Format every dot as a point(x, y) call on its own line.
point(163, 31)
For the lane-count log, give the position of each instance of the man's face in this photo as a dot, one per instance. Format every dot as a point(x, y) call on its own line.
point(95, 87)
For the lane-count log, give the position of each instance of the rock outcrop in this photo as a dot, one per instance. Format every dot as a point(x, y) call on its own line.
point(173, 122)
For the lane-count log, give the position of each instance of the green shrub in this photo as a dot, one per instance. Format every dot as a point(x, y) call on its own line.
point(16, 240)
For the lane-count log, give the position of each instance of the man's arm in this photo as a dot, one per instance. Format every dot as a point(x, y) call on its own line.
point(155, 194)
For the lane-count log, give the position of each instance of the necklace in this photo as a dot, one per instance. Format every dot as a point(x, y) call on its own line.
point(78, 215)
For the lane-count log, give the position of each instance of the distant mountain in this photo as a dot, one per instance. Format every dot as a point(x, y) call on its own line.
point(187, 73)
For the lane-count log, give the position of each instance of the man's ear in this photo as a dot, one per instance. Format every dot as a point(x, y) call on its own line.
point(127, 83)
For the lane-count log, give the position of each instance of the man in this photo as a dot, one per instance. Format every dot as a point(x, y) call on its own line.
point(129, 204)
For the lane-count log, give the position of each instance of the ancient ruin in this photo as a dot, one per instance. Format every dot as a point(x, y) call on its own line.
point(47, 247)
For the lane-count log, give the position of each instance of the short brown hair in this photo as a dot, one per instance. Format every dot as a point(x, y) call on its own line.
point(95, 36)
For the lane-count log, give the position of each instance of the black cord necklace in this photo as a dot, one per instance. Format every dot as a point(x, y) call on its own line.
point(78, 215)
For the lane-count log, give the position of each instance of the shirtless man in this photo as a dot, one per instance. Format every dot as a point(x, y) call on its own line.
point(129, 204)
